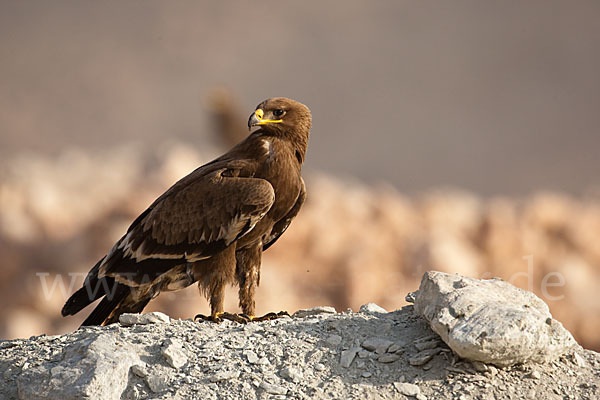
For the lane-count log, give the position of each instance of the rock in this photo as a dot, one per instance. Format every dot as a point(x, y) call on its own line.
point(423, 357)
point(407, 389)
point(224, 375)
point(580, 361)
point(140, 370)
point(535, 374)
point(307, 312)
point(372, 308)
point(292, 373)
point(299, 363)
point(273, 389)
point(251, 356)
point(158, 382)
point(427, 345)
point(347, 356)
point(490, 321)
point(143, 319)
point(388, 358)
point(394, 348)
point(95, 367)
point(174, 353)
point(375, 343)
point(334, 340)
point(479, 366)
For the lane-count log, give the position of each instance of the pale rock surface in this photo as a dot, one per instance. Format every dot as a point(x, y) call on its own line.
point(490, 321)
point(321, 355)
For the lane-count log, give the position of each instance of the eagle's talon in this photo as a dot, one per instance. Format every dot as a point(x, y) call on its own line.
point(239, 318)
point(270, 316)
point(209, 318)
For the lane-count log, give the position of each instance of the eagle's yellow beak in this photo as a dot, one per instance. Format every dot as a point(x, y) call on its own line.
point(257, 119)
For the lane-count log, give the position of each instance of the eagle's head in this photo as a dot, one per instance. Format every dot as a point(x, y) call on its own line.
point(279, 114)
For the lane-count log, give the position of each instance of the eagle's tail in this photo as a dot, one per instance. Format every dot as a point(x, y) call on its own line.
point(93, 289)
point(117, 299)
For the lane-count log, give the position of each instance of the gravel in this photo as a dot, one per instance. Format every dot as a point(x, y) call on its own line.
point(320, 354)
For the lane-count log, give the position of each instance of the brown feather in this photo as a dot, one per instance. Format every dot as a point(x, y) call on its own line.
point(211, 226)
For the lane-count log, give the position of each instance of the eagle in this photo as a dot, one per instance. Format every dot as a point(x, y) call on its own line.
point(211, 226)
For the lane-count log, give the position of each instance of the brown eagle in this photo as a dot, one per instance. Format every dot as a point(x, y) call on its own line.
point(210, 227)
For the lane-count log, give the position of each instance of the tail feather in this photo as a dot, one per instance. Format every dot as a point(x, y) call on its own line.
point(93, 289)
point(106, 307)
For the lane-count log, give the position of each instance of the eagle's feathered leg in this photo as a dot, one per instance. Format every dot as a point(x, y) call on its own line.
point(213, 275)
point(247, 272)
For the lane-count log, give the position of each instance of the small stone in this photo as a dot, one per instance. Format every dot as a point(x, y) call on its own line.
point(366, 374)
point(394, 348)
point(374, 343)
point(421, 396)
point(479, 366)
point(407, 389)
point(251, 356)
point(320, 367)
point(273, 389)
point(427, 345)
point(314, 311)
point(388, 358)
point(347, 356)
point(535, 374)
point(174, 353)
point(334, 340)
point(372, 308)
point(292, 373)
point(422, 357)
point(363, 354)
point(143, 319)
point(224, 375)
point(158, 382)
point(139, 370)
point(580, 361)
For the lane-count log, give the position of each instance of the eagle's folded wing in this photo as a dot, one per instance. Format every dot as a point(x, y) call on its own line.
point(194, 220)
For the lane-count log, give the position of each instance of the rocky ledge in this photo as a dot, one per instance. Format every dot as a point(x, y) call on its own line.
point(320, 353)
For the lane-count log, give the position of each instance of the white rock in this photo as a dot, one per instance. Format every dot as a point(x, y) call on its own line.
point(407, 389)
point(158, 382)
point(251, 356)
point(143, 319)
point(580, 361)
point(140, 370)
point(490, 321)
point(372, 308)
point(224, 375)
point(174, 353)
point(292, 373)
point(273, 389)
point(91, 368)
point(314, 311)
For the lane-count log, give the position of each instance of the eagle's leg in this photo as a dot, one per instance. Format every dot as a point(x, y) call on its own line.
point(213, 275)
point(248, 276)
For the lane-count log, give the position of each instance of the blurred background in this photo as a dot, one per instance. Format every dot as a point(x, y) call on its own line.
point(462, 137)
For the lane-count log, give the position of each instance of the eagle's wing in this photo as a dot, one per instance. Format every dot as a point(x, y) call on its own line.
point(281, 225)
point(198, 217)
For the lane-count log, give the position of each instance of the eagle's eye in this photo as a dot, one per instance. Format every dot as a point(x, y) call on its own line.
point(278, 112)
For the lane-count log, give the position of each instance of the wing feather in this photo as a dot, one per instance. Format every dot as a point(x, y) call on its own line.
point(199, 216)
